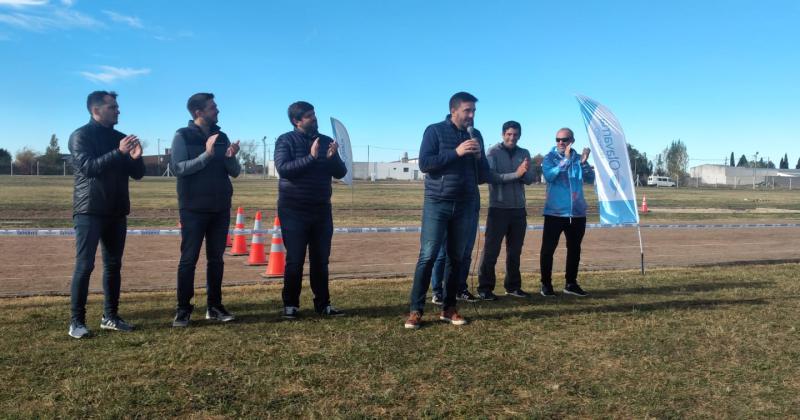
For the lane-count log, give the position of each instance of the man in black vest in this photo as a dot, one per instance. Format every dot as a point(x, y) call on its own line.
point(103, 159)
point(306, 160)
point(203, 159)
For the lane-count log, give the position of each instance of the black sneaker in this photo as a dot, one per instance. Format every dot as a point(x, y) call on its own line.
point(575, 290)
point(114, 322)
point(487, 296)
point(519, 293)
point(77, 329)
point(437, 300)
point(466, 296)
point(547, 290)
point(182, 317)
point(219, 313)
point(330, 311)
point(290, 312)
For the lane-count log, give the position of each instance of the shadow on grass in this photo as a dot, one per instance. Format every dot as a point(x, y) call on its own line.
point(696, 304)
point(679, 289)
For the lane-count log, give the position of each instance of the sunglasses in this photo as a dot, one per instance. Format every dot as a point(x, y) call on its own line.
point(563, 139)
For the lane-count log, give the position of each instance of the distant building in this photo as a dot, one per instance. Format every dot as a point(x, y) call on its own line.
point(738, 176)
point(404, 169)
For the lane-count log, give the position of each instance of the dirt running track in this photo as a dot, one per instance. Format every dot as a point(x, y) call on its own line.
point(30, 266)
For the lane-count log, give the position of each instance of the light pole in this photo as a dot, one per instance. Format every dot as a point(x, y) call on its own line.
point(755, 162)
point(264, 143)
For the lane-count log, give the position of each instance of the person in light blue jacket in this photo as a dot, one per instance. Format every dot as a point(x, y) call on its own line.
point(564, 209)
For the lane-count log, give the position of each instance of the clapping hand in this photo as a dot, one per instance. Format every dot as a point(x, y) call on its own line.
point(232, 149)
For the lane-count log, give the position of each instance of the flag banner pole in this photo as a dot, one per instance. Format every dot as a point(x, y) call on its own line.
point(641, 248)
point(616, 194)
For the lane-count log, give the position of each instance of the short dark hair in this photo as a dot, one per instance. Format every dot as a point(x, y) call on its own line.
point(460, 97)
point(571, 133)
point(98, 98)
point(197, 102)
point(511, 124)
point(297, 110)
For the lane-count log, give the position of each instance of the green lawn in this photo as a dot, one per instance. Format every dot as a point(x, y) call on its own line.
point(677, 343)
point(30, 202)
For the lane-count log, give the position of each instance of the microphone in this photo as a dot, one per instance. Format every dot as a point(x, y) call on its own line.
point(471, 131)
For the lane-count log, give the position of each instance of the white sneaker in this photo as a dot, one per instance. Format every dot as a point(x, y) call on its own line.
point(290, 312)
point(78, 330)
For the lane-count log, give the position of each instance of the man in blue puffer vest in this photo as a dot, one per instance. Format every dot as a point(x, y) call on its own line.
point(564, 209)
point(453, 159)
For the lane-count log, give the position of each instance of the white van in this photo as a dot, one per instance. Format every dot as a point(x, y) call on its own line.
point(659, 181)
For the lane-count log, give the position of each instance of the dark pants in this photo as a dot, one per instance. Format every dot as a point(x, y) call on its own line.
point(440, 218)
point(573, 229)
point(301, 229)
point(195, 226)
point(440, 266)
point(110, 232)
point(509, 224)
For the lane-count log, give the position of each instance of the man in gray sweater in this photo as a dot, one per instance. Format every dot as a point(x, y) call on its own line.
point(510, 171)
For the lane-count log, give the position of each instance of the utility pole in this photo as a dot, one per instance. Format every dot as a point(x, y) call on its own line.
point(65, 168)
point(264, 143)
point(37, 168)
point(158, 152)
point(369, 170)
point(755, 160)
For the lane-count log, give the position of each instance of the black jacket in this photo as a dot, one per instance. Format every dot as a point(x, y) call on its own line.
point(448, 176)
point(203, 182)
point(101, 171)
point(305, 181)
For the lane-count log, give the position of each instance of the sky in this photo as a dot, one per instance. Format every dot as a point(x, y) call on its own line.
point(721, 76)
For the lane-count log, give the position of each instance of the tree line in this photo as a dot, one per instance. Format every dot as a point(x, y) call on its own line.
point(744, 163)
point(673, 161)
point(30, 162)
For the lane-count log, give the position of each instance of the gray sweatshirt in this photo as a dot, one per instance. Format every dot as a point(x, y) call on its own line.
point(506, 189)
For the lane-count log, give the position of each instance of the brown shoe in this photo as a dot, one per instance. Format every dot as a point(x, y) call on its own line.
point(451, 316)
point(414, 320)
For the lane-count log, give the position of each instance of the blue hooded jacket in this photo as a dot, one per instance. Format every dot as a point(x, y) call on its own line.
point(565, 178)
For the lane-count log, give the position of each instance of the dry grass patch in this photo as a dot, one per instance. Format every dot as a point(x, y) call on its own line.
point(711, 342)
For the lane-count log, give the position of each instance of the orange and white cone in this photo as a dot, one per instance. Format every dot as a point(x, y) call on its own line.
point(239, 241)
point(277, 253)
point(257, 255)
point(644, 205)
point(228, 241)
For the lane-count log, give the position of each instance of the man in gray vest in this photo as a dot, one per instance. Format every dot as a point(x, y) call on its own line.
point(203, 159)
point(509, 171)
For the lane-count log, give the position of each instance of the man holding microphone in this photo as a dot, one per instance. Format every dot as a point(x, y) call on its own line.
point(452, 157)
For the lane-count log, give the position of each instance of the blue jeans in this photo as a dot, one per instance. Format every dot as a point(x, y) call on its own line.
point(110, 232)
point(442, 218)
point(301, 229)
point(195, 226)
point(439, 268)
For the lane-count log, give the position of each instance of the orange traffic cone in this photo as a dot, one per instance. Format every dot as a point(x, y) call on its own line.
point(228, 242)
point(257, 255)
point(277, 253)
point(644, 204)
point(239, 242)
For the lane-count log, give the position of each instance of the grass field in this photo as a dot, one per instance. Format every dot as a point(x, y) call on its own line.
point(711, 342)
point(29, 202)
point(678, 343)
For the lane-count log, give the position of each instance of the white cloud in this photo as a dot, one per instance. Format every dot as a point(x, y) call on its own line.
point(110, 74)
point(22, 3)
point(131, 21)
point(67, 3)
point(56, 19)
